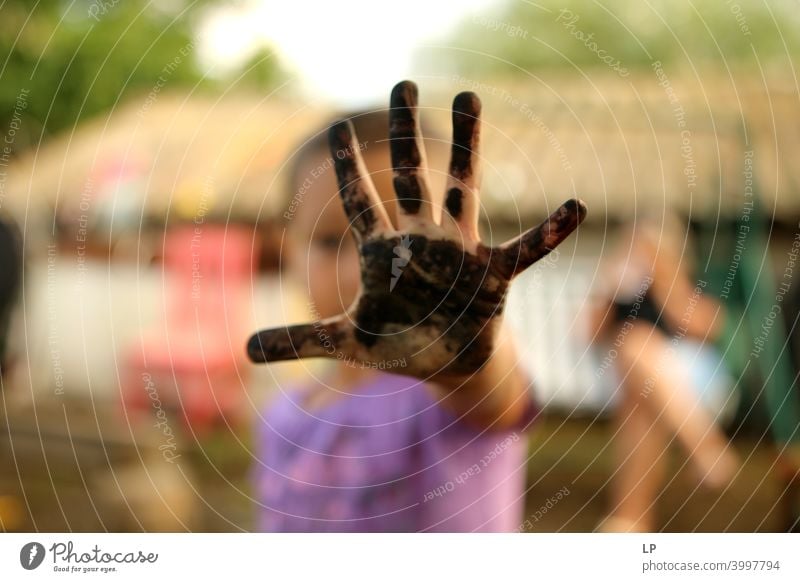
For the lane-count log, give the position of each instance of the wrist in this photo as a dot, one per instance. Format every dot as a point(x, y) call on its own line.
point(496, 395)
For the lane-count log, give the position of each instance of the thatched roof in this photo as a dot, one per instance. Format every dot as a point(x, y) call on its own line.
point(617, 143)
point(629, 145)
point(178, 154)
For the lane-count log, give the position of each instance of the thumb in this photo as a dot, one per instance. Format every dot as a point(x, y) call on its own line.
point(320, 339)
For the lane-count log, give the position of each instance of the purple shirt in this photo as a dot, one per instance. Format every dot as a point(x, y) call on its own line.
point(388, 458)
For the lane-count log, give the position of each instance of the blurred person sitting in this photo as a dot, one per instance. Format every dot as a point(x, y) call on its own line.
point(658, 328)
point(10, 280)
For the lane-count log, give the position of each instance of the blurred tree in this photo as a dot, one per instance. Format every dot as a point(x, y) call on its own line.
point(261, 70)
point(62, 61)
point(553, 33)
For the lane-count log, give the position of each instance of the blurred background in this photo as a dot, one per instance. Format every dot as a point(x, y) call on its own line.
point(142, 159)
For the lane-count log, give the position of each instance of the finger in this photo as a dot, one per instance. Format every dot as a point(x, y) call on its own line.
point(464, 176)
point(520, 253)
point(321, 339)
point(408, 157)
point(360, 199)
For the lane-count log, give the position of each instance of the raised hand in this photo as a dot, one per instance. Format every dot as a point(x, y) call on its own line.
point(431, 293)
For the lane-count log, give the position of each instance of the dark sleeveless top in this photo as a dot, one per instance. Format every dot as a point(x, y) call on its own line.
point(648, 311)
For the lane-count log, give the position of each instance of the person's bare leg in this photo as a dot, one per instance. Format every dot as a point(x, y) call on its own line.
point(665, 390)
point(639, 452)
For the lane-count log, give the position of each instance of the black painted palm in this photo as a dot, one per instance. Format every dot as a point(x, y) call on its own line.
point(431, 294)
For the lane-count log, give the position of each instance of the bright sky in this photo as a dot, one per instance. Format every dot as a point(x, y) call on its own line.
point(348, 51)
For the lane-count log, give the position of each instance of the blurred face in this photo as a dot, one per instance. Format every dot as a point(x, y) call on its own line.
point(321, 253)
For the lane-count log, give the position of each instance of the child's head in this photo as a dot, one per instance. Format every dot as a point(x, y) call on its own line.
point(320, 252)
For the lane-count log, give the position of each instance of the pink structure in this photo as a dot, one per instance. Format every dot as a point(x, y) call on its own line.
point(189, 364)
